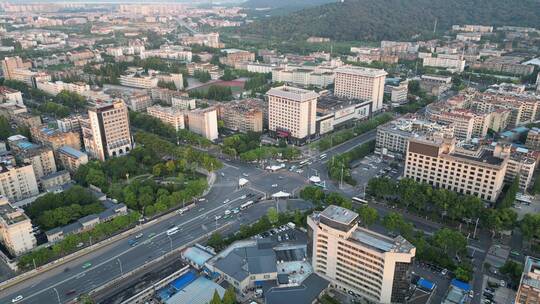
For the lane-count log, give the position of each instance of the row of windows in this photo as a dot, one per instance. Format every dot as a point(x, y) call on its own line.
point(363, 254)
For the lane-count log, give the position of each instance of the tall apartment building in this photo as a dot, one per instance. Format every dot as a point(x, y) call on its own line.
point(529, 285)
point(54, 138)
point(41, 159)
point(15, 229)
point(242, 115)
point(533, 139)
point(359, 260)
point(522, 164)
point(168, 115)
point(523, 108)
point(71, 159)
point(10, 64)
point(466, 168)
point(463, 123)
point(106, 134)
point(203, 122)
point(292, 112)
point(360, 83)
point(18, 182)
point(70, 124)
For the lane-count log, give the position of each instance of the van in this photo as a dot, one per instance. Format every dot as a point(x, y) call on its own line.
point(172, 231)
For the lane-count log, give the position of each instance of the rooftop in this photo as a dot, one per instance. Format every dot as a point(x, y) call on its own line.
point(531, 272)
point(361, 71)
point(293, 93)
point(71, 152)
point(339, 214)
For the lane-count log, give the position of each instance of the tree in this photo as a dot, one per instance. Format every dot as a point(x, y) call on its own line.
point(393, 221)
point(368, 215)
point(513, 270)
point(510, 195)
point(215, 298)
point(215, 241)
point(5, 128)
point(230, 296)
point(272, 215)
point(450, 241)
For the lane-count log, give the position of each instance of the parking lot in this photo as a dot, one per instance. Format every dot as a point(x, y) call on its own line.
point(433, 274)
point(528, 205)
point(373, 166)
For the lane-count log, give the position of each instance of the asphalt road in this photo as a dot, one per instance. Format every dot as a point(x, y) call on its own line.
point(61, 284)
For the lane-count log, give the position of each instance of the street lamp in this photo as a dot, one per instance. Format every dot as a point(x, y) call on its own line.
point(121, 270)
point(57, 295)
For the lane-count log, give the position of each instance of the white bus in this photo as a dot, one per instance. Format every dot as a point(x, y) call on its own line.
point(246, 205)
point(172, 231)
point(359, 200)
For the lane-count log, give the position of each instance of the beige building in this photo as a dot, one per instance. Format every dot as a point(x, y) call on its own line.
point(529, 286)
point(168, 115)
point(15, 229)
point(435, 85)
point(450, 62)
point(10, 64)
point(463, 123)
point(53, 181)
point(360, 83)
point(17, 183)
point(55, 88)
point(533, 139)
point(55, 138)
point(292, 112)
point(466, 169)
point(242, 115)
point(358, 260)
point(106, 133)
point(139, 81)
point(203, 122)
point(41, 159)
point(71, 159)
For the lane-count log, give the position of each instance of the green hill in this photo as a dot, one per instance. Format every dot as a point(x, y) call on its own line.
point(393, 19)
point(273, 4)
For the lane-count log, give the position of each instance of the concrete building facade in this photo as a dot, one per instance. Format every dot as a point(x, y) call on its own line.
point(360, 83)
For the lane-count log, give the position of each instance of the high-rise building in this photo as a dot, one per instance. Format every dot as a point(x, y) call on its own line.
point(10, 64)
point(18, 182)
point(203, 122)
point(292, 112)
point(529, 286)
point(358, 260)
point(360, 83)
point(464, 168)
point(15, 229)
point(106, 133)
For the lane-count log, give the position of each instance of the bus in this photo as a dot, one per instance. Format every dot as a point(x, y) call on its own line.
point(246, 205)
point(172, 231)
point(359, 200)
point(303, 163)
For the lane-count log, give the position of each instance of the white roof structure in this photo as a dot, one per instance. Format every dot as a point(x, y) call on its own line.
point(242, 182)
point(281, 194)
point(315, 179)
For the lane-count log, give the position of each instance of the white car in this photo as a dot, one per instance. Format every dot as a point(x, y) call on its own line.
point(218, 217)
point(17, 299)
point(226, 201)
point(274, 186)
point(243, 196)
point(202, 199)
point(245, 174)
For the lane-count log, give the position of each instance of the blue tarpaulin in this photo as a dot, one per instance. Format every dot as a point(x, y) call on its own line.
point(461, 285)
point(425, 284)
point(184, 280)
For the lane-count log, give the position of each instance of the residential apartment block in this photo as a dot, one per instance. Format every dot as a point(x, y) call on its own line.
point(292, 112)
point(303, 77)
point(54, 88)
point(451, 62)
point(106, 133)
point(17, 182)
point(242, 115)
point(54, 138)
point(533, 139)
point(203, 122)
point(529, 285)
point(139, 81)
point(463, 168)
point(360, 83)
point(15, 229)
point(71, 159)
point(358, 260)
point(168, 115)
point(41, 159)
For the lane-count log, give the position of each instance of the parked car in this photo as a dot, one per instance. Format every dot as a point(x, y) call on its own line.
point(86, 265)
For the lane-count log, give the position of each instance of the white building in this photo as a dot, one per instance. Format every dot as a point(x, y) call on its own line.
point(203, 122)
point(15, 229)
point(53, 88)
point(139, 81)
point(361, 83)
point(292, 112)
point(18, 183)
point(447, 61)
point(168, 115)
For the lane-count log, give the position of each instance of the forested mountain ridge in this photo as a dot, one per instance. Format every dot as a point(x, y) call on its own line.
point(273, 4)
point(376, 20)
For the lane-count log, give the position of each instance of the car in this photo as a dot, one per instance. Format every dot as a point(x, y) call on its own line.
point(444, 272)
point(132, 243)
point(71, 292)
point(17, 299)
point(217, 217)
point(226, 201)
point(274, 185)
point(236, 210)
point(86, 265)
point(80, 244)
point(502, 283)
point(243, 196)
point(515, 253)
point(222, 174)
point(245, 175)
point(151, 235)
point(227, 212)
point(140, 235)
point(471, 293)
point(202, 199)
